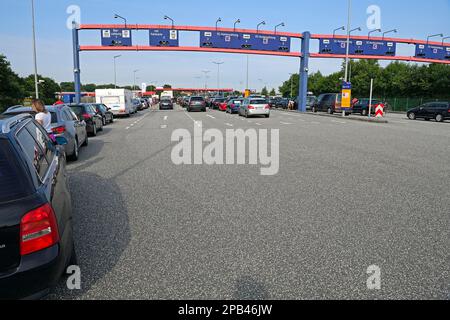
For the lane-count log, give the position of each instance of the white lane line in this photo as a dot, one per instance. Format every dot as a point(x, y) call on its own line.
point(127, 128)
point(229, 124)
point(285, 123)
point(258, 124)
point(197, 123)
point(165, 118)
point(210, 116)
point(336, 121)
point(164, 126)
point(314, 122)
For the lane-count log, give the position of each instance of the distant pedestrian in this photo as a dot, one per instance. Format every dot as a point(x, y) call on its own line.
point(58, 103)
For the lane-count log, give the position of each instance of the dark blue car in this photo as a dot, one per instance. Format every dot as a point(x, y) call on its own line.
point(234, 105)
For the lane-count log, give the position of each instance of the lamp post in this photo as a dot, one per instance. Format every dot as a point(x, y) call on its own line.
point(262, 23)
point(279, 25)
point(236, 22)
point(115, 71)
point(217, 22)
point(36, 82)
point(390, 31)
point(434, 35)
point(292, 84)
point(134, 83)
point(116, 16)
point(218, 73)
point(206, 78)
point(169, 18)
point(372, 31)
point(341, 28)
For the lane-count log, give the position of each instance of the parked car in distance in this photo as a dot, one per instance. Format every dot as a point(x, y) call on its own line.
point(254, 107)
point(273, 101)
point(104, 112)
point(310, 101)
point(137, 105)
point(197, 104)
point(65, 124)
point(87, 112)
point(282, 103)
point(216, 102)
point(166, 103)
point(438, 111)
point(362, 106)
point(234, 105)
point(36, 232)
point(328, 102)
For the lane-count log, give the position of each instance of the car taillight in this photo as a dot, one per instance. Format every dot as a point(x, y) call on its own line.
point(86, 116)
point(59, 130)
point(267, 107)
point(251, 107)
point(38, 230)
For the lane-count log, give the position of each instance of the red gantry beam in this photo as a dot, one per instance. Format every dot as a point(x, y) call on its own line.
point(190, 49)
point(396, 58)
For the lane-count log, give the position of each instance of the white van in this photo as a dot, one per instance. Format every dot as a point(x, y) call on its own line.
point(120, 101)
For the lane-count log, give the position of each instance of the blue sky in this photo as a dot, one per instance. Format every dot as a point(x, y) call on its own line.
point(413, 19)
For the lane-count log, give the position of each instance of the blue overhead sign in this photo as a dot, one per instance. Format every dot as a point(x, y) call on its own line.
point(359, 47)
point(164, 38)
point(428, 51)
point(116, 37)
point(245, 41)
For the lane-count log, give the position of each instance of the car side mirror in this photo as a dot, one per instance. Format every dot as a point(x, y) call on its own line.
point(61, 141)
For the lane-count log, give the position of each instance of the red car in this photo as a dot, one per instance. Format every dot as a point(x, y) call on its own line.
point(223, 106)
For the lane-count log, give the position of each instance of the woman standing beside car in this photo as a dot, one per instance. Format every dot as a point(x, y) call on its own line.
point(43, 117)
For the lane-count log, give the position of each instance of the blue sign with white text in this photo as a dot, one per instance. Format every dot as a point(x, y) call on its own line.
point(358, 47)
point(116, 37)
point(428, 51)
point(244, 41)
point(164, 38)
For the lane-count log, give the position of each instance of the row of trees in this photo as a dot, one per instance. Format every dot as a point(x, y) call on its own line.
point(14, 89)
point(397, 79)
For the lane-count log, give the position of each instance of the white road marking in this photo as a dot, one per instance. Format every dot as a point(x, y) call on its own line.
point(165, 118)
point(229, 124)
point(336, 121)
point(258, 124)
point(210, 116)
point(285, 123)
point(127, 128)
point(164, 126)
point(197, 123)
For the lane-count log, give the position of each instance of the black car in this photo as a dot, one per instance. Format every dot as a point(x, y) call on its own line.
point(328, 102)
point(104, 112)
point(438, 111)
point(274, 101)
point(196, 104)
point(88, 113)
point(282, 103)
point(36, 237)
point(166, 104)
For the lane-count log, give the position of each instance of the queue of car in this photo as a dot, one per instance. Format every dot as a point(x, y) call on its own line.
point(36, 232)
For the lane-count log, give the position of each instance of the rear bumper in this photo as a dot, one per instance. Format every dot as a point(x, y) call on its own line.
point(166, 107)
point(197, 108)
point(256, 112)
point(120, 113)
point(34, 277)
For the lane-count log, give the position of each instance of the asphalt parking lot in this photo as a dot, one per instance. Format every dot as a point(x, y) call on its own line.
point(348, 195)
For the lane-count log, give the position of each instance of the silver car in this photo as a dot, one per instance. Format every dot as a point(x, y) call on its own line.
point(64, 124)
point(254, 107)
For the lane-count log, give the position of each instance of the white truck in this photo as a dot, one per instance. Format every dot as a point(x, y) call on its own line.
point(120, 101)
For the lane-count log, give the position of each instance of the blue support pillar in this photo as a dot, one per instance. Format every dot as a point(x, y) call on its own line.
point(304, 70)
point(76, 62)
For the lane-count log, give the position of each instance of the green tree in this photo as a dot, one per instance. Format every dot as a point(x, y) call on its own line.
point(67, 86)
point(273, 93)
point(90, 87)
point(264, 92)
point(11, 85)
point(48, 88)
point(151, 88)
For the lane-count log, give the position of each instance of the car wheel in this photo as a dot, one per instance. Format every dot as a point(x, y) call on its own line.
point(364, 112)
point(267, 115)
point(412, 116)
point(75, 154)
point(86, 142)
point(246, 114)
point(112, 119)
point(101, 127)
point(73, 257)
point(439, 118)
point(329, 111)
point(104, 121)
point(94, 130)
point(313, 109)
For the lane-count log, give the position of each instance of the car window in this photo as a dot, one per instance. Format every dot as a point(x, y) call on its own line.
point(33, 152)
point(12, 184)
point(66, 115)
point(78, 110)
point(258, 101)
point(42, 139)
point(197, 99)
